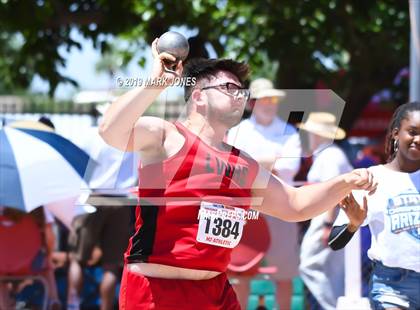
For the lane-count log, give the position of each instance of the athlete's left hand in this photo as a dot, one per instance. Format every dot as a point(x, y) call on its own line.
point(361, 179)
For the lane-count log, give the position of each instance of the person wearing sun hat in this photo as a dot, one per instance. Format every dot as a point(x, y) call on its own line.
point(263, 88)
point(280, 147)
point(276, 146)
point(322, 269)
point(323, 124)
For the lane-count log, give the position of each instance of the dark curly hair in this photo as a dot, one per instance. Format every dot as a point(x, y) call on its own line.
point(400, 113)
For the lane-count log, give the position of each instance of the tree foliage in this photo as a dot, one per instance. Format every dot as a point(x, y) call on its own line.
point(367, 42)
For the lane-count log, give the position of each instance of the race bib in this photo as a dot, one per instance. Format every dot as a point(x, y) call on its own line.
point(220, 225)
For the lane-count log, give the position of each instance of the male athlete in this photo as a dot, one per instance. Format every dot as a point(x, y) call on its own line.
point(194, 189)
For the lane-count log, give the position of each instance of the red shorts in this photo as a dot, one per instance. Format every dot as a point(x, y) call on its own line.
point(138, 292)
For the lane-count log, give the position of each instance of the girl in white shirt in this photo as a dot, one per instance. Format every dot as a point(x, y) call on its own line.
point(393, 215)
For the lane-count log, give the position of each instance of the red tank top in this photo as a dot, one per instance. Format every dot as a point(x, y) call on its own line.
point(170, 194)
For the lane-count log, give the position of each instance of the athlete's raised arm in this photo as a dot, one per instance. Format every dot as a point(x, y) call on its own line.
point(123, 126)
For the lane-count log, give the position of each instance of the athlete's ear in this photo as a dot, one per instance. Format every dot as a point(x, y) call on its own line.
point(199, 98)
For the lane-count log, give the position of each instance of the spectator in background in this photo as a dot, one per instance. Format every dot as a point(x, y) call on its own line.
point(322, 269)
point(109, 177)
point(392, 214)
point(47, 122)
point(276, 146)
point(50, 237)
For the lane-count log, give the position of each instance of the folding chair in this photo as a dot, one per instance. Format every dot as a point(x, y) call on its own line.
point(22, 253)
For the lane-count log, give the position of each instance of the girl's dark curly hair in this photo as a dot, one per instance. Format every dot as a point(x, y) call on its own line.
point(400, 113)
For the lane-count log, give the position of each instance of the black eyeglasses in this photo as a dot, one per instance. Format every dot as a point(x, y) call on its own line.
point(231, 89)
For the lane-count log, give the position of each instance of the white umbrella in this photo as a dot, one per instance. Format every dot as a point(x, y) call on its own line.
point(38, 167)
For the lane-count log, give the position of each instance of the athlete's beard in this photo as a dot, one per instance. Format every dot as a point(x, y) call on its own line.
point(229, 119)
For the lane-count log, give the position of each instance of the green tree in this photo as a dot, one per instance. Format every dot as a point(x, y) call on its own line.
point(368, 40)
point(16, 74)
point(113, 60)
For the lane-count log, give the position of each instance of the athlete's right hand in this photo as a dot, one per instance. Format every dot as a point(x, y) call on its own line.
point(158, 70)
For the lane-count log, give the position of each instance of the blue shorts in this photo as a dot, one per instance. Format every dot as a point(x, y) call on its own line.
point(394, 287)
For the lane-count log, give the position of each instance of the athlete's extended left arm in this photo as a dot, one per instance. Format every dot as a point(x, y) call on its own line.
point(274, 197)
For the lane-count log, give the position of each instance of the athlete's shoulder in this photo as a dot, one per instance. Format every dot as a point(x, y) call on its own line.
point(151, 132)
point(154, 123)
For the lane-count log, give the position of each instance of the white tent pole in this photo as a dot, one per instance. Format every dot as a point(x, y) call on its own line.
point(352, 298)
point(415, 50)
